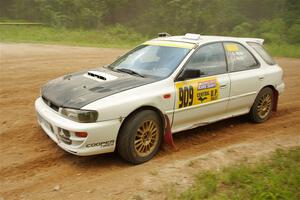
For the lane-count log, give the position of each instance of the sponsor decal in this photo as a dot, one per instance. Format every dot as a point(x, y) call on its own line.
point(232, 47)
point(170, 44)
point(207, 84)
point(101, 144)
point(197, 91)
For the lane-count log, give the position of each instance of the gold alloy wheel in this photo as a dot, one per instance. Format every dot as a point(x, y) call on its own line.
point(146, 139)
point(264, 106)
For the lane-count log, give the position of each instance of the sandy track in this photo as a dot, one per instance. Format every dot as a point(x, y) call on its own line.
point(31, 164)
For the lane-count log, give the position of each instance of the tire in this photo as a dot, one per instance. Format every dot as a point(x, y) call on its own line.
point(140, 137)
point(263, 105)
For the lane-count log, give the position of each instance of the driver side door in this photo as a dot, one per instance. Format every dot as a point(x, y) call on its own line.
point(202, 88)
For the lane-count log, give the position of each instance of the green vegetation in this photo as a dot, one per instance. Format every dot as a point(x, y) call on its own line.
point(284, 50)
point(117, 36)
point(80, 21)
point(274, 178)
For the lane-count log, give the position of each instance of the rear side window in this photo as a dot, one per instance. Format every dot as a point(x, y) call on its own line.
point(262, 52)
point(239, 58)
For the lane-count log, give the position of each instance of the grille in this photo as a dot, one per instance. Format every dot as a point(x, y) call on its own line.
point(50, 104)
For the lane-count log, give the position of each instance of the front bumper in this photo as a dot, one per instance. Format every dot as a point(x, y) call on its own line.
point(101, 137)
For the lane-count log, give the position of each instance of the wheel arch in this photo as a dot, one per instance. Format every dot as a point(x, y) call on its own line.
point(145, 107)
point(275, 95)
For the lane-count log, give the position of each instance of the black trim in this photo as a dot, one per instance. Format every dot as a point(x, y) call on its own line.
point(226, 60)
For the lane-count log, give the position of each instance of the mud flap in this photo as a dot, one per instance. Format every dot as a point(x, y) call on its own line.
point(168, 133)
point(275, 100)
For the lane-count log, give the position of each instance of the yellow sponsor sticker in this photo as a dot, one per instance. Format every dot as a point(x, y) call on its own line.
point(232, 47)
point(197, 91)
point(170, 44)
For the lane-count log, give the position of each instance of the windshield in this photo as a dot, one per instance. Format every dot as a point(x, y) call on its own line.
point(151, 60)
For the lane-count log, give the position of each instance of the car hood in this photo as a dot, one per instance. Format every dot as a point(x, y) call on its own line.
point(79, 89)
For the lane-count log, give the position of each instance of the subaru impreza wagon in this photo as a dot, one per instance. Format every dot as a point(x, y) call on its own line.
point(163, 86)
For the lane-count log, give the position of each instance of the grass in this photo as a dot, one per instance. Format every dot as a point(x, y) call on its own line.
point(117, 36)
point(284, 50)
point(275, 178)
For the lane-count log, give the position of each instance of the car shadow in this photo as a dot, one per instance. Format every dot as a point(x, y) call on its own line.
point(183, 140)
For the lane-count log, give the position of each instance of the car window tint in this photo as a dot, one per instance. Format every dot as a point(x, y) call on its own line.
point(152, 60)
point(262, 52)
point(209, 59)
point(239, 58)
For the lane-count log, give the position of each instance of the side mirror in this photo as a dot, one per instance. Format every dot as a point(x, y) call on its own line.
point(189, 74)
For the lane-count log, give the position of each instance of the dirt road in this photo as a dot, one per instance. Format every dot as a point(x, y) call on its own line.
point(33, 167)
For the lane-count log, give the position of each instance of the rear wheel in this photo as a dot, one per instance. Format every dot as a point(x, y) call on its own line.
point(262, 107)
point(140, 137)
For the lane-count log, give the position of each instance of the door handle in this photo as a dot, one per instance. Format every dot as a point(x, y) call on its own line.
point(223, 86)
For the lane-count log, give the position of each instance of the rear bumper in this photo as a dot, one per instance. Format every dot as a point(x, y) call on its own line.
point(101, 135)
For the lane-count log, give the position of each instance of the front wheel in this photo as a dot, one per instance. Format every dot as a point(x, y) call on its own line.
point(262, 107)
point(140, 137)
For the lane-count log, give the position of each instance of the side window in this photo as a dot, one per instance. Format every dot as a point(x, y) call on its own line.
point(262, 52)
point(238, 57)
point(209, 60)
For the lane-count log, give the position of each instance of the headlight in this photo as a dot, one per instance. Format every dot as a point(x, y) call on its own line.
point(83, 116)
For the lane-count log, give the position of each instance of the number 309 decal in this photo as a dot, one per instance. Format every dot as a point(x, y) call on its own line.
point(197, 91)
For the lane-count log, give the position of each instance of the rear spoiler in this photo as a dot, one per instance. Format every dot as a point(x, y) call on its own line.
point(256, 40)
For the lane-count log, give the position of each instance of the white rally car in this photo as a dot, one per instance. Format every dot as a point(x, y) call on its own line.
point(165, 85)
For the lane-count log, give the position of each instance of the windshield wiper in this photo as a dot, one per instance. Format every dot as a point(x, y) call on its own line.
point(129, 71)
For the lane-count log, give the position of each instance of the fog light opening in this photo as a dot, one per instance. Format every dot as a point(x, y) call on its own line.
point(81, 134)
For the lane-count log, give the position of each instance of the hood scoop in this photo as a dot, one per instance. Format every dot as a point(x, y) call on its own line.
point(99, 76)
point(79, 89)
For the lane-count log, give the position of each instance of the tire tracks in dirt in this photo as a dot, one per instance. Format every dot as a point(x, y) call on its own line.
point(31, 164)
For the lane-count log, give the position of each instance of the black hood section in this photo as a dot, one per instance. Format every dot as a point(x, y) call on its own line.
point(77, 90)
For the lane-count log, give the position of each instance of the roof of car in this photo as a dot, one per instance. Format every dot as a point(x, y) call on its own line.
point(200, 39)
